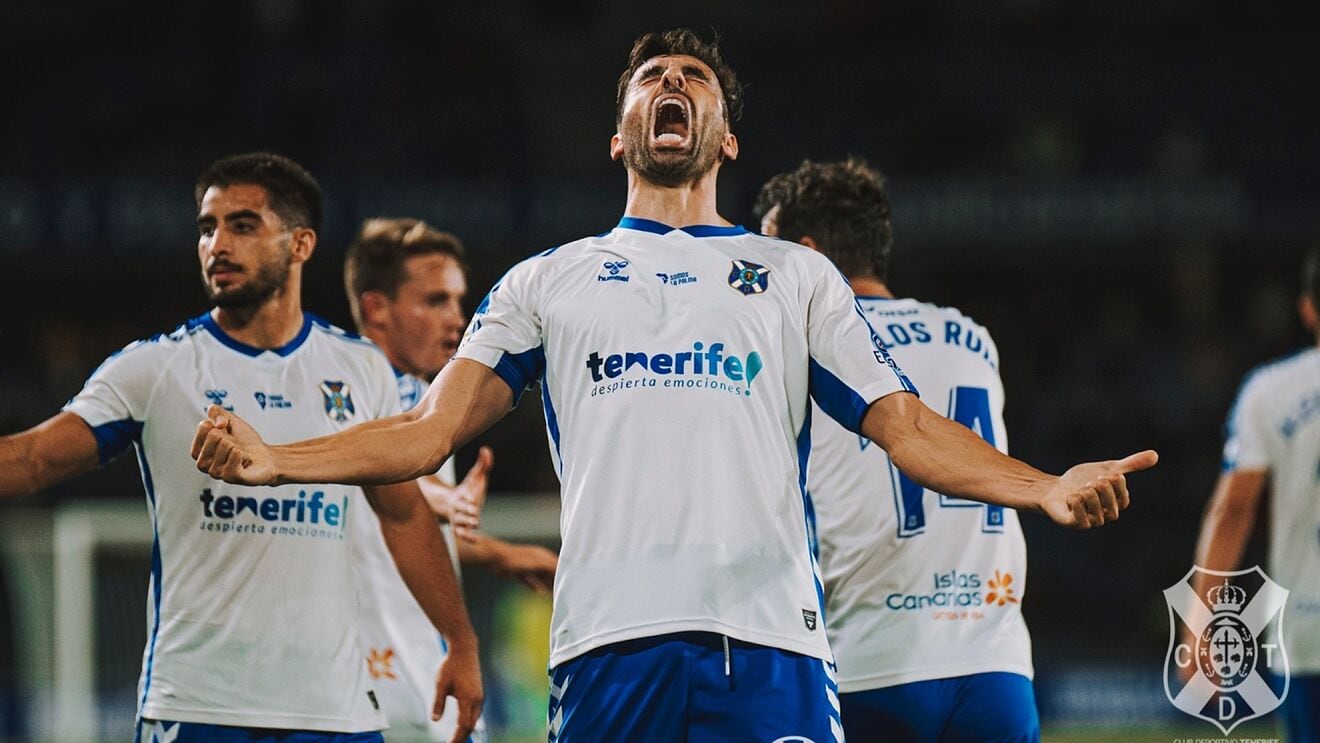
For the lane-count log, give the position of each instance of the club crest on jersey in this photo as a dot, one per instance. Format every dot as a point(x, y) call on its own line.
point(613, 271)
point(1227, 659)
point(338, 401)
point(809, 619)
point(749, 278)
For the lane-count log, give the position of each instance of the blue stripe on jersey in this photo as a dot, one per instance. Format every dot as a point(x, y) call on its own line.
point(808, 512)
point(114, 437)
point(840, 401)
point(156, 572)
point(519, 369)
point(551, 421)
point(209, 323)
point(695, 230)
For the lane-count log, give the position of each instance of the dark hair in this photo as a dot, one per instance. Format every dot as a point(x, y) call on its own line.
point(682, 41)
point(376, 256)
point(842, 206)
point(294, 194)
point(1311, 274)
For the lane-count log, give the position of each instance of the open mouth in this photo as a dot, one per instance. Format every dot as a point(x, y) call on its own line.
point(671, 122)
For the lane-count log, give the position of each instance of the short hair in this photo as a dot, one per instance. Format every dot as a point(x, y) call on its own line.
point(682, 41)
point(376, 256)
point(1311, 274)
point(294, 194)
point(843, 206)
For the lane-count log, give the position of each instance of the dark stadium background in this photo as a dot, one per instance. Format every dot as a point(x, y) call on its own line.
point(1120, 191)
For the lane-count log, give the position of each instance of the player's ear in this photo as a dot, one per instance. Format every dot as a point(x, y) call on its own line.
point(375, 308)
point(1306, 307)
point(810, 242)
point(616, 147)
point(302, 244)
point(729, 146)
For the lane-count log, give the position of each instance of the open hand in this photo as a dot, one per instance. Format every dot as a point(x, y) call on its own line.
point(1094, 493)
point(229, 449)
point(460, 678)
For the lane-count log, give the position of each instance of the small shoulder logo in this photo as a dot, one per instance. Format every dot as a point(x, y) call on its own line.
point(809, 619)
point(338, 401)
point(1219, 665)
point(613, 271)
point(676, 279)
point(217, 397)
point(749, 278)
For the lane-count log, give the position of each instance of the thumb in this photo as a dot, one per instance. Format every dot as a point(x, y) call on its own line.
point(485, 458)
point(1142, 460)
point(217, 416)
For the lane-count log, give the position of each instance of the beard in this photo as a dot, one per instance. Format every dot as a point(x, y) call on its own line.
point(667, 168)
point(269, 278)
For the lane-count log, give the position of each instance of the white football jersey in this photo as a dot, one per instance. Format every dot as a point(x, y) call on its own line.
point(1275, 426)
point(403, 649)
point(919, 586)
point(675, 366)
point(252, 614)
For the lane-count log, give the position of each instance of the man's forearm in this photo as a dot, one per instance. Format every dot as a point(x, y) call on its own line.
point(422, 557)
point(378, 452)
point(948, 458)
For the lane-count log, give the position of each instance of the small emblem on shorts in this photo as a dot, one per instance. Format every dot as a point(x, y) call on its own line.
point(809, 619)
point(749, 278)
point(338, 401)
point(613, 271)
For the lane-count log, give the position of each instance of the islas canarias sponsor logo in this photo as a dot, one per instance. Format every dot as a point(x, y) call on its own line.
point(706, 366)
point(955, 589)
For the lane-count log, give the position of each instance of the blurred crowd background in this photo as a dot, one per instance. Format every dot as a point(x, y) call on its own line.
point(1121, 192)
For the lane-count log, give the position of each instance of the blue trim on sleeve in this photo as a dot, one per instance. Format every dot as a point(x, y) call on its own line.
point(519, 369)
point(840, 401)
point(114, 437)
point(225, 339)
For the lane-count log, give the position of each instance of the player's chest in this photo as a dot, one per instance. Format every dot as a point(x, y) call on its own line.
point(283, 400)
point(668, 294)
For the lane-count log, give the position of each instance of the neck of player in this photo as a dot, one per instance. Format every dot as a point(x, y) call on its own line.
point(682, 206)
point(865, 286)
point(271, 323)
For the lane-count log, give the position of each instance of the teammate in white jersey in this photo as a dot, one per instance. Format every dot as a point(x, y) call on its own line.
point(1274, 443)
point(922, 592)
point(405, 284)
point(675, 355)
point(253, 618)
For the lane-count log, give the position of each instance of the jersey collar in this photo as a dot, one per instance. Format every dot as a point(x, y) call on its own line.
point(695, 230)
point(225, 339)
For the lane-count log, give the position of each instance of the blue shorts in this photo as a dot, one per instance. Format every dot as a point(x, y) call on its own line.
point(981, 707)
point(685, 687)
point(1301, 710)
point(164, 731)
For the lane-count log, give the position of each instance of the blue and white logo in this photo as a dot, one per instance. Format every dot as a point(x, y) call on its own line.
point(273, 401)
point(613, 271)
point(1220, 665)
point(676, 279)
point(338, 401)
point(704, 366)
point(749, 278)
point(217, 397)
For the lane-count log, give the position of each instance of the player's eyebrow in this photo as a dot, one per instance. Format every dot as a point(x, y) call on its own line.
point(242, 214)
point(691, 70)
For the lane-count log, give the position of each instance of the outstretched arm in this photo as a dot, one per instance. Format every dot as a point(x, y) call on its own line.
point(1230, 518)
point(530, 564)
point(57, 449)
point(464, 400)
point(949, 458)
point(420, 553)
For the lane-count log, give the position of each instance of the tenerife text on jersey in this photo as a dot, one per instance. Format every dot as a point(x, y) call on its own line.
point(704, 367)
